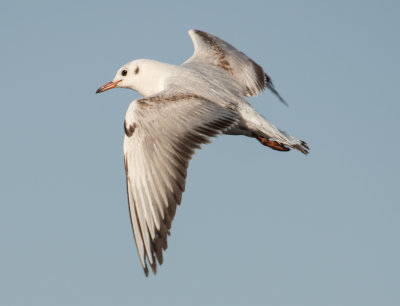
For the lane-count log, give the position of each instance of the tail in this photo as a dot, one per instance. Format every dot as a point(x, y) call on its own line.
point(265, 132)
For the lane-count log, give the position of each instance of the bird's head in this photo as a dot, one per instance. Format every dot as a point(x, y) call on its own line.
point(140, 75)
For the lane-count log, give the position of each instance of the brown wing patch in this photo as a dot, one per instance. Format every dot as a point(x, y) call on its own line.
point(154, 100)
point(222, 60)
point(260, 76)
point(163, 99)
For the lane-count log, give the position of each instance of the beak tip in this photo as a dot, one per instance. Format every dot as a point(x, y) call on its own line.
point(107, 86)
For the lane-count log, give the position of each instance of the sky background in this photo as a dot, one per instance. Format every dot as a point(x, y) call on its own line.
point(256, 227)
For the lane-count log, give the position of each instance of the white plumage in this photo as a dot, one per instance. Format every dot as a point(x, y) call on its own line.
point(183, 106)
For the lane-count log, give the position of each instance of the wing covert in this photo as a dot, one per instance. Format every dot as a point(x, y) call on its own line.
point(213, 50)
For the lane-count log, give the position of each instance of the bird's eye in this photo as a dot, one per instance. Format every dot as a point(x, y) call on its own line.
point(137, 70)
point(124, 72)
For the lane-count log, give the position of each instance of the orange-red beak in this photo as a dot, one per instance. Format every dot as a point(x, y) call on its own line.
point(107, 86)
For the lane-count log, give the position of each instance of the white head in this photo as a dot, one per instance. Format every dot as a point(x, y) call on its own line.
point(144, 76)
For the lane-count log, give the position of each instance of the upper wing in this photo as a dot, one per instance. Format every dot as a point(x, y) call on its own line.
point(162, 133)
point(213, 50)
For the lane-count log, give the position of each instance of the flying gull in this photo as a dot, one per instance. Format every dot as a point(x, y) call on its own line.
point(182, 107)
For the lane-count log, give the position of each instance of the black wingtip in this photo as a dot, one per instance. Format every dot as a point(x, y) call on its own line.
point(271, 87)
point(146, 271)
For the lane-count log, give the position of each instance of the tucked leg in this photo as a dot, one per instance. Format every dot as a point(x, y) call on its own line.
point(271, 143)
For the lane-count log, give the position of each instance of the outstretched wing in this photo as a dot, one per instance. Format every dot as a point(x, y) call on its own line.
point(161, 135)
point(213, 50)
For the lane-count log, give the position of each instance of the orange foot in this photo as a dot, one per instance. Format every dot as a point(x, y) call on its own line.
point(271, 143)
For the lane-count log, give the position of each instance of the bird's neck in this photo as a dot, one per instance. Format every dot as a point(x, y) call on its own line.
point(155, 77)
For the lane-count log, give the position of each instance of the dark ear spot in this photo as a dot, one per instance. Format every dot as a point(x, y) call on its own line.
point(137, 70)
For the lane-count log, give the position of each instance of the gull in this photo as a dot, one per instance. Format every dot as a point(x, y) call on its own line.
point(182, 108)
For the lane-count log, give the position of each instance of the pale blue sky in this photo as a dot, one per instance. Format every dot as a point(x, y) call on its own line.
point(256, 227)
